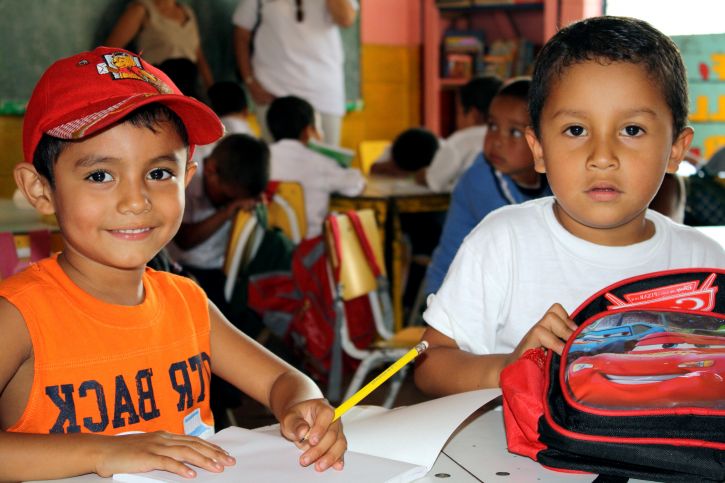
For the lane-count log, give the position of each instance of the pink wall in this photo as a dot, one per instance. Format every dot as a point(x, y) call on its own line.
point(390, 22)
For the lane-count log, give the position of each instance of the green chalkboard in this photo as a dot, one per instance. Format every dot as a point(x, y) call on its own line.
point(34, 33)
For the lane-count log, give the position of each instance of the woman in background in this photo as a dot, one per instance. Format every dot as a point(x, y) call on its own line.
point(168, 35)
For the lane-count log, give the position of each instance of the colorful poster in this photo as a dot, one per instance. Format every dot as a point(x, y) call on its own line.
point(704, 57)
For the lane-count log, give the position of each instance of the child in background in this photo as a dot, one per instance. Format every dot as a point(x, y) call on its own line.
point(608, 105)
point(411, 151)
point(502, 175)
point(291, 121)
point(232, 178)
point(230, 103)
point(458, 152)
point(96, 344)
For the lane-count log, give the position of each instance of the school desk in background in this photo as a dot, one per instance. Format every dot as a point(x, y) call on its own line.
point(25, 237)
point(389, 197)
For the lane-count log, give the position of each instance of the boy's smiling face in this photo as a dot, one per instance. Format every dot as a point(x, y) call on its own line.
point(119, 195)
point(606, 143)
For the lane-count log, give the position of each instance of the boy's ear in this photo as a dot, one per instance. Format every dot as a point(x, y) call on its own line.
point(35, 188)
point(310, 132)
point(536, 150)
point(191, 167)
point(680, 148)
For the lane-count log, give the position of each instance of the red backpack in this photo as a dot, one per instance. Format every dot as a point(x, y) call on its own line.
point(639, 390)
point(299, 307)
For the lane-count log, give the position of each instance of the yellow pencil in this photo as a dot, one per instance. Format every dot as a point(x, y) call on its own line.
point(381, 378)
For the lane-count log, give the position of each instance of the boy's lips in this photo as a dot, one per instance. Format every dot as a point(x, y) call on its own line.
point(603, 192)
point(131, 233)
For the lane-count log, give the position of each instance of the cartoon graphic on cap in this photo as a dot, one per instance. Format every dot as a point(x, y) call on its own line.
point(123, 66)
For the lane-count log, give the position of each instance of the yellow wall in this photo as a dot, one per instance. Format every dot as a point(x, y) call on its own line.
point(391, 94)
point(11, 152)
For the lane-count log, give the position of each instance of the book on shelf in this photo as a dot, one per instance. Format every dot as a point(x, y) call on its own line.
point(458, 66)
point(343, 156)
point(508, 58)
point(384, 445)
point(469, 42)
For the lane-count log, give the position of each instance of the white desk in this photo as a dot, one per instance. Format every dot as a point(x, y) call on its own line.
point(477, 453)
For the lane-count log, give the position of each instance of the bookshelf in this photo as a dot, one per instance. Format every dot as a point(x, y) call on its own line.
point(507, 20)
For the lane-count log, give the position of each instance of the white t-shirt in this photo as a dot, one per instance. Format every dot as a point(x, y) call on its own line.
point(210, 253)
point(519, 261)
point(235, 125)
point(453, 158)
point(319, 176)
point(304, 59)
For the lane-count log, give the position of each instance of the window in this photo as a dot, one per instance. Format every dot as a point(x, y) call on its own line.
point(674, 17)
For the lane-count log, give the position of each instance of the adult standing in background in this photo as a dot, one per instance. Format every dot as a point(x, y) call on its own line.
point(167, 33)
point(297, 51)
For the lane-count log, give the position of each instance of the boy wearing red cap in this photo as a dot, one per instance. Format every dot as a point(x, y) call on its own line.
point(94, 343)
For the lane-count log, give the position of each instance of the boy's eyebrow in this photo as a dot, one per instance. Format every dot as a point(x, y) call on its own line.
point(629, 112)
point(92, 160)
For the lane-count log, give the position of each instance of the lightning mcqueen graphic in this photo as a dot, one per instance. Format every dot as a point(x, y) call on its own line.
point(664, 370)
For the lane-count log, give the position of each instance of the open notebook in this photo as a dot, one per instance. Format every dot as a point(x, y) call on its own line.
point(396, 445)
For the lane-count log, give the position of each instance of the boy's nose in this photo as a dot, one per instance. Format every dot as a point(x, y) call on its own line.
point(134, 199)
point(602, 155)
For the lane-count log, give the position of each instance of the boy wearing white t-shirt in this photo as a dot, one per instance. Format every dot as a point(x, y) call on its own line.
point(457, 153)
point(291, 121)
point(608, 106)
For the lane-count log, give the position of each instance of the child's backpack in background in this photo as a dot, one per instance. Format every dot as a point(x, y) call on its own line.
point(299, 307)
point(639, 391)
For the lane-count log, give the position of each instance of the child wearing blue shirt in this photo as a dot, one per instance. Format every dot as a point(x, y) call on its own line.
point(502, 175)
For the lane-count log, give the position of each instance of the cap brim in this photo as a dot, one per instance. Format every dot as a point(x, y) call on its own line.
point(202, 124)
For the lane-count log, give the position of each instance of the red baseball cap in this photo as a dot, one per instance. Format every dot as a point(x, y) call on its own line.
point(80, 95)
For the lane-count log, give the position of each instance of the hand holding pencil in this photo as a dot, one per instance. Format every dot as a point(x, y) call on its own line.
point(375, 383)
point(381, 378)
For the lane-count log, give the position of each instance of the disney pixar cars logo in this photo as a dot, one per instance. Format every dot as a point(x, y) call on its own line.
point(681, 296)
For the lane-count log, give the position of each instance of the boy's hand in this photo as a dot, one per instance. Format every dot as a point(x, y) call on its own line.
point(551, 332)
point(244, 204)
point(325, 443)
point(135, 453)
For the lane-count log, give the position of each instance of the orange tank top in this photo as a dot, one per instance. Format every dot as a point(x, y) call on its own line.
point(104, 368)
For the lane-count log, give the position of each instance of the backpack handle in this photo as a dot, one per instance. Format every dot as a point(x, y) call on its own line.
point(364, 242)
point(335, 248)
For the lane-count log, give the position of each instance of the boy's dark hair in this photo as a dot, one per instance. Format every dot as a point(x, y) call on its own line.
point(227, 97)
point(606, 40)
point(414, 148)
point(148, 116)
point(478, 93)
point(289, 116)
point(518, 87)
point(243, 161)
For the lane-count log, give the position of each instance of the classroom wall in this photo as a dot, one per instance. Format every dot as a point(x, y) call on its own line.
point(11, 152)
point(390, 71)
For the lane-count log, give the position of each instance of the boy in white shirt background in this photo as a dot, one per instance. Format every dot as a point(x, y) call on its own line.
point(456, 154)
point(291, 121)
point(229, 102)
